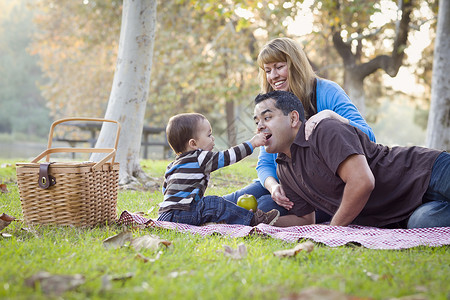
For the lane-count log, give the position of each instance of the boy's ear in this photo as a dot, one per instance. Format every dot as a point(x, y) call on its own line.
point(192, 143)
point(294, 118)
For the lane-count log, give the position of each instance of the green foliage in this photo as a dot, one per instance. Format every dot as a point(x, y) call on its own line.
point(194, 267)
point(205, 51)
point(77, 42)
point(22, 108)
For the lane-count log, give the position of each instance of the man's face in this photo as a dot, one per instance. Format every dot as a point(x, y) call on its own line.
point(274, 125)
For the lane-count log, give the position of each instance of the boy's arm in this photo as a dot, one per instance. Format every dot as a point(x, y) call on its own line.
point(216, 160)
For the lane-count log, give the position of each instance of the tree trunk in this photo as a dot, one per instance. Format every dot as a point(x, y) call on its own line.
point(130, 87)
point(355, 72)
point(231, 123)
point(354, 87)
point(438, 131)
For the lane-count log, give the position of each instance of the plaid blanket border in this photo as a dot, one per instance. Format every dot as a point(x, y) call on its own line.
point(333, 236)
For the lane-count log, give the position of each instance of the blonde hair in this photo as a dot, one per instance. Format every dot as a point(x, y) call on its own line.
point(301, 75)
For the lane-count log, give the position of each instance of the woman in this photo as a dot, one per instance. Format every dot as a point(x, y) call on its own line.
point(284, 66)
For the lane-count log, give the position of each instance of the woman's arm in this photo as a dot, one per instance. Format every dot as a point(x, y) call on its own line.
point(267, 175)
point(335, 103)
point(266, 166)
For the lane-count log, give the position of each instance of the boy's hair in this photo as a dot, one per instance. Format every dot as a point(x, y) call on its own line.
point(301, 74)
point(181, 128)
point(284, 101)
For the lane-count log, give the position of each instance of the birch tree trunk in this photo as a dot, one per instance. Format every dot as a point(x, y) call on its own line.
point(438, 130)
point(130, 87)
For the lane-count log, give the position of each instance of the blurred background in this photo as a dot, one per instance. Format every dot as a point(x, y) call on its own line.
point(57, 59)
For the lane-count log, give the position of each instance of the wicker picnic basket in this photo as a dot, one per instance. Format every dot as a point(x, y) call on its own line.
point(80, 194)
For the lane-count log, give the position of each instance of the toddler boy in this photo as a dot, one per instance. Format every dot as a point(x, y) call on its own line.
point(186, 178)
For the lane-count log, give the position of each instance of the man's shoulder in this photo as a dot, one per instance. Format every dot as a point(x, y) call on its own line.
point(330, 130)
point(331, 125)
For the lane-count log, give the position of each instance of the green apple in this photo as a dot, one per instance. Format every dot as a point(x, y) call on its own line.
point(248, 202)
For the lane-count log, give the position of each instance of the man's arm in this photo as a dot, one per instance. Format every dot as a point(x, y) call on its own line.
point(359, 183)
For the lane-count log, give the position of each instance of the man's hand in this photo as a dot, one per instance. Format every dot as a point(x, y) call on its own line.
point(280, 198)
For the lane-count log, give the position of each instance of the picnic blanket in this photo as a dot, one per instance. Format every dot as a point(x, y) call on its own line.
point(333, 236)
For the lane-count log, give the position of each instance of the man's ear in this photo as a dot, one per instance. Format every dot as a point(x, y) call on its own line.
point(294, 118)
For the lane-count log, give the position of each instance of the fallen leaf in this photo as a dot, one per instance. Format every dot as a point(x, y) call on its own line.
point(146, 259)
point(3, 188)
point(307, 246)
point(175, 274)
point(123, 277)
point(5, 220)
point(151, 242)
point(118, 240)
point(317, 293)
point(106, 283)
point(239, 253)
point(373, 276)
point(54, 284)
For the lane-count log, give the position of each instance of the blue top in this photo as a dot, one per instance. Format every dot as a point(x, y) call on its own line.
point(329, 96)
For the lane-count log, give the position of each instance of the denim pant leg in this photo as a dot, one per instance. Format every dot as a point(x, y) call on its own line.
point(217, 209)
point(435, 212)
point(209, 209)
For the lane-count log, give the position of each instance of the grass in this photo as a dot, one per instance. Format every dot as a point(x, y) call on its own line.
point(194, 267)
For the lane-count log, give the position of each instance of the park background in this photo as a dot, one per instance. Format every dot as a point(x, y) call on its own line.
point(57, 59)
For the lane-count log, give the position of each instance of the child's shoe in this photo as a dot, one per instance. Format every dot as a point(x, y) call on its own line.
point(268, 218)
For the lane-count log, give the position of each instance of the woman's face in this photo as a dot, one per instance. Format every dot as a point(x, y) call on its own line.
point(277, 75)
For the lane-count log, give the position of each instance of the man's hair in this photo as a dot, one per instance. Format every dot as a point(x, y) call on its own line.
point(284, 101)
point(181, 128)
point(301, 73)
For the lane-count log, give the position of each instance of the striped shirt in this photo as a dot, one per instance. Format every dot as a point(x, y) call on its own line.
point(187, 177)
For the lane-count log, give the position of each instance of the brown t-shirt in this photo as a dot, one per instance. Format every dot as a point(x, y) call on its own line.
point(402, 174)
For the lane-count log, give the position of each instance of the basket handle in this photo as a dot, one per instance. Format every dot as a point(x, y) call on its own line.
point(111, 153)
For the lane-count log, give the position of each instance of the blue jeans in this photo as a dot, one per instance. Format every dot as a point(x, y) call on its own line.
point(209, 209)
point(435, 212)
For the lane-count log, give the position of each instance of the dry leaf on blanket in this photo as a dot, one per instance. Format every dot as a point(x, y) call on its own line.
point(118, 240)
point(306, 246)
point(54, 284)
point(5, 220)
point(317, 293)
point(151, 242)
point(239, 253)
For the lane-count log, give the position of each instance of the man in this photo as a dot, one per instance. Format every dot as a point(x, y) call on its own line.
point(341, 172)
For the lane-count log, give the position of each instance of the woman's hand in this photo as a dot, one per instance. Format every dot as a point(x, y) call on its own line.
point(312, 122)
